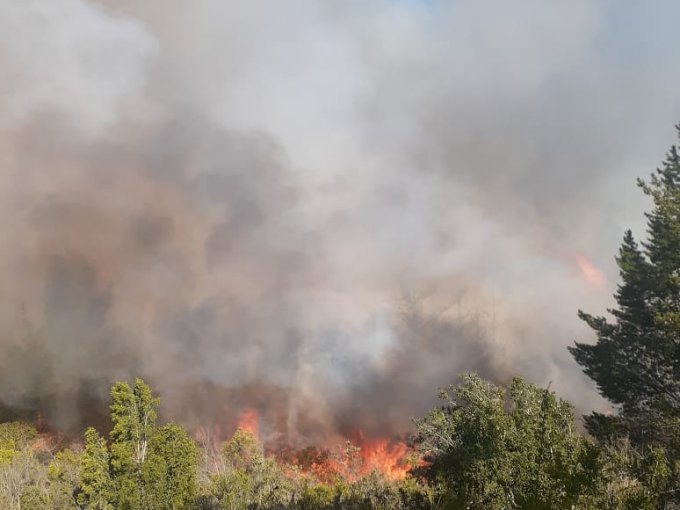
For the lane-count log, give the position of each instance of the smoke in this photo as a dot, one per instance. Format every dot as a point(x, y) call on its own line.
point(322, 211)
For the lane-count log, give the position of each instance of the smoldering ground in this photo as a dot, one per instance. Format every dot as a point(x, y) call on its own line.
point(321, 211)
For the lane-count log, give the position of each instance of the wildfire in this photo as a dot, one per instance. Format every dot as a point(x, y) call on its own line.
point(351, 460)
point(348, 459)
point(43, 442)
point(592, 274)
point(386, 457)
point(249, 421)
point(46, 440)
point(341, 458)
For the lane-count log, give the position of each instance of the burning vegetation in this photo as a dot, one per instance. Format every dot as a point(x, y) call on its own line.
point(296, 220)
point(349, 459)
point(242, 470)
point(338, 459)
point(522, 437)
point(485, 447)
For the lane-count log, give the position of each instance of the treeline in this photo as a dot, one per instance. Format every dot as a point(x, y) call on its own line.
point(486, 447)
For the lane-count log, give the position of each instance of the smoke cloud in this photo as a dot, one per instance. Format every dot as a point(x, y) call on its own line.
point(322, 211)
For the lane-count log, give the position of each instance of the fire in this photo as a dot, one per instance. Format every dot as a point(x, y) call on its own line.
point(42, 443)
point(352, 460)
point(340, 458)
point(386, 457)
point(592, 274)
point(249, 421)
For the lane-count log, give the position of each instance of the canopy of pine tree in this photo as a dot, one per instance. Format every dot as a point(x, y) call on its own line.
point(636, 359)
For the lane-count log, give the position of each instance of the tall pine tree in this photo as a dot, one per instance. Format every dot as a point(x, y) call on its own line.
point(636, 359)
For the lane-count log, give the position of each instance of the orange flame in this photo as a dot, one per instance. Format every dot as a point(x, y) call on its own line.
point(355, 460)
point(249, 421)
point(350, 460)
point(386, 457)
point(592, 274)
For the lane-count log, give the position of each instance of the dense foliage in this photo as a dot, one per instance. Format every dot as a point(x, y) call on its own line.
point(487, 447)
point(636, 358)
point(492, 448)
point(143, 466)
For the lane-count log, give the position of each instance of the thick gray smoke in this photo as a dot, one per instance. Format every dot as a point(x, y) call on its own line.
point(322, 211)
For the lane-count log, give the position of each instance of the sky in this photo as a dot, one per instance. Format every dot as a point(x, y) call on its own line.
point(320, 210)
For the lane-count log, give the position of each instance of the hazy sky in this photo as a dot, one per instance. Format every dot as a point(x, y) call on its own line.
point(323, 209)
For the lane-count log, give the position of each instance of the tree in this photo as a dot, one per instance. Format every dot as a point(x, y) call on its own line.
point(133, 413)
point(14, 436)
point(636, 358)
point(250, 480)
point(147, 468)
point(23, 482)
point(491, 448)
point(97, 489)
point(630, 478)
point(169, 472)
point(64, 477)
point(22, 479)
